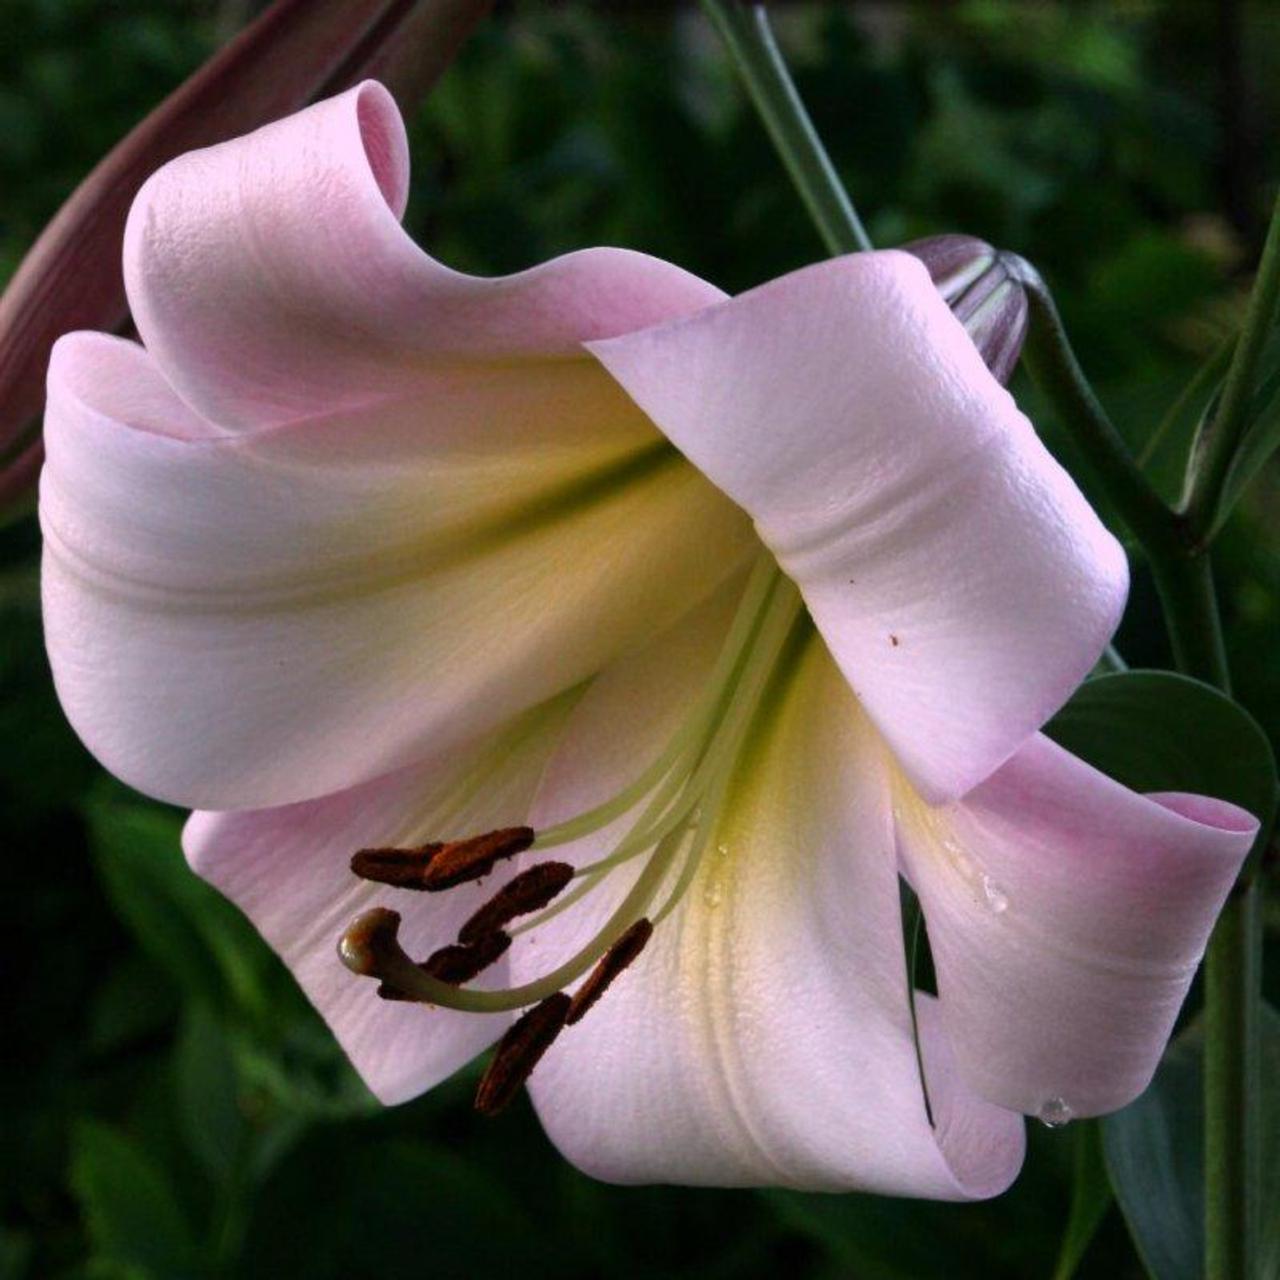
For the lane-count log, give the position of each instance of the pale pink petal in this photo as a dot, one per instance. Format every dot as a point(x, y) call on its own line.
point(270, 278)
point(240, 621)
point(1067, 916)
point(71, 277)
point(288, 870)
point(959, 577)
point(764, 1035)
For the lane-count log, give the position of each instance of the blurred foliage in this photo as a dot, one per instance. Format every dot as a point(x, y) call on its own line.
point(172, 1107)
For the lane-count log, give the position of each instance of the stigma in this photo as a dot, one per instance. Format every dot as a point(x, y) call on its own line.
point(671, 810)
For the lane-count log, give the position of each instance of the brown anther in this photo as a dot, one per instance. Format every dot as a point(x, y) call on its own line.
point(529, 891)
point(460, 963)
point(370, 942)
point(463, 860)
point(402, 868)
point(612, 963)
point(519, 1051)
point(456, 964)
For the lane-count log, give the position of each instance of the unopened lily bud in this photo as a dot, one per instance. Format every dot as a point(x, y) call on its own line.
point(296, 50)
point(981, 286)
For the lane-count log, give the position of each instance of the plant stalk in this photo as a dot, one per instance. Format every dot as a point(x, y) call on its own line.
point(745, 30)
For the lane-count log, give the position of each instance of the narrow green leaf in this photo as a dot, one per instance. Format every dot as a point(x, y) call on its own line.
point(1155, 1155)
point(1164, 455)
point(1090, 1199)
point(1158, 731)
point(195, 937)
point(130, 1212)
point(1257, 448)
point(207, 1094)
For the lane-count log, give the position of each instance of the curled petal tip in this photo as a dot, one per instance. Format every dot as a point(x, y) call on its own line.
point(295, 51)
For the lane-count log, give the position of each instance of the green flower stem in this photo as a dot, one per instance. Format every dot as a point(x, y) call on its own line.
point(1232, 1164)
point(1173, 542)
point(745, 30)
point(1216, 447)
point(1055, 369)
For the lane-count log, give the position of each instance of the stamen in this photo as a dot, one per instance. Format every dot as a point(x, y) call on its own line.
point(473, 858)
point(402, 868)
point(455, 964)
point(371, 942)
point(611, 964)
point(529, 891)
point(519, 1051)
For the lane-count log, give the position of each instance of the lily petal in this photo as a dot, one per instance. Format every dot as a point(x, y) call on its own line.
point(71, 278)
point(764, 1035)
point(288, 870)
point(960, 578)
point(271, 279)
point(243, 621)
point(1067, 915)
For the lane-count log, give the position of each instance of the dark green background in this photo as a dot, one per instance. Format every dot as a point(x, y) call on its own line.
point(171, 1107)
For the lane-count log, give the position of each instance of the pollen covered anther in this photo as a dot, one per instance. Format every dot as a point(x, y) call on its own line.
point(519, 1051)
point(400, 868)
point(456, 964)
point(462, 860)
point(611, 964)
point(531, 890)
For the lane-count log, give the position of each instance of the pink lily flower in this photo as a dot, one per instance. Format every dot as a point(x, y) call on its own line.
point(720, 614)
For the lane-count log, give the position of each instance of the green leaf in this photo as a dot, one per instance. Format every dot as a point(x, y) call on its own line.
point(1155, 1156)
point(342, 1205)
point(188, 930)
point(207, 1094)
point(1090, 1199)
point(1256, 449)
point(130, 1212)
point(1164, 455)
point(1158, 731)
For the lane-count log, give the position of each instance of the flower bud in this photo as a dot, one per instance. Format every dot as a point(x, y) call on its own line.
point(982, 287)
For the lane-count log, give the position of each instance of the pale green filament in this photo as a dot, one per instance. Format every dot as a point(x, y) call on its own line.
point(760, 585)
point(685, 787)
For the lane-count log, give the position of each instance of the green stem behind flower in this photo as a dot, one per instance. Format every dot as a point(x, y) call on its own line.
point(745, 30)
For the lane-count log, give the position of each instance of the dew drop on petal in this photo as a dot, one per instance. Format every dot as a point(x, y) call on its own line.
point(994, 896)
point(1054, 1113)
point(711, 894)
point(723, 850)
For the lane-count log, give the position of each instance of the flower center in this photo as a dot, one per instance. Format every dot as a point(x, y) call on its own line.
point(675, 804)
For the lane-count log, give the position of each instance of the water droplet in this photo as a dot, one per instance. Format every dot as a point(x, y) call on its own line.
point(711, 894)
point(996, 898)
point(1054, 1113)
point(722, 849)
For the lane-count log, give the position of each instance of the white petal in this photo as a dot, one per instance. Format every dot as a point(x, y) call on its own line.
point(960, 578)
point(288, 870)
point(764, 1035)
point(238, 622)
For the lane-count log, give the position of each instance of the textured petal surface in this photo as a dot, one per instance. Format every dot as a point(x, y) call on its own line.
point(764, 1035)
point(1067, 916)
point(271, 280)
point(288, 870)
point(962, 582)
point(387, 507)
